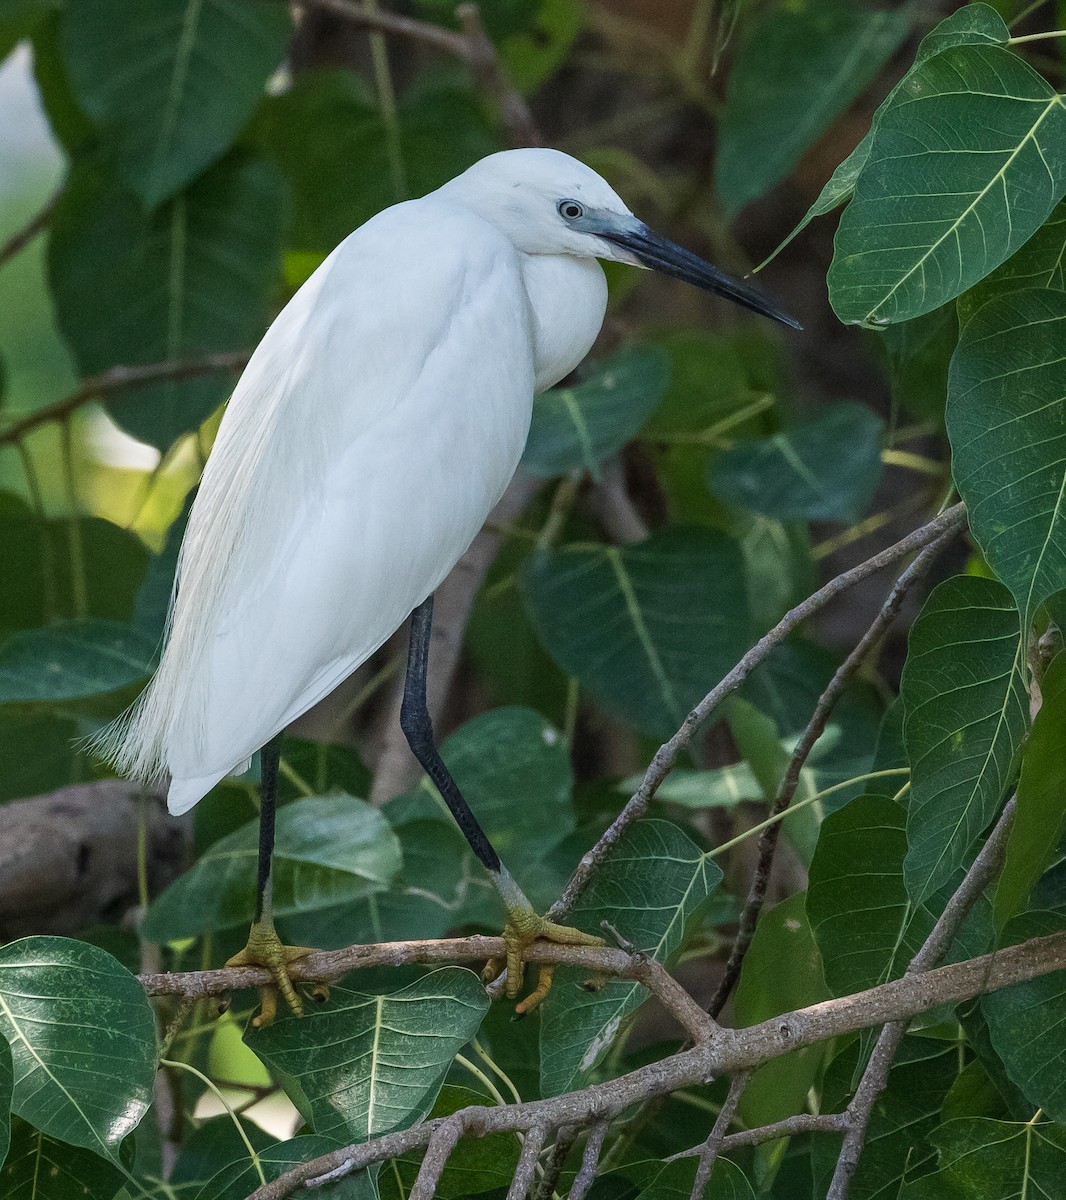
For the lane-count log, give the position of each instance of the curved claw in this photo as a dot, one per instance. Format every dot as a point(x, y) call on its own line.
point(520, 932)
point(265, 949)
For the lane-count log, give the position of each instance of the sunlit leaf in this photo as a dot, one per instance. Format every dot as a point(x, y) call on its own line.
point(1008, 440)
point(967, 161)
point(967, 712)
point(172, 83)
point(363, 1065)
point(42, 1168)
point(71, 660)
point(82, 1039)
point(328, 850)
point(647, 629)
point(800, 67)
point(649, 887)
point(576, 428)
point(825, 470)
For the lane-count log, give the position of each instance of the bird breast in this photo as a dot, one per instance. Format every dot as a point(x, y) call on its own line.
point(568, 299)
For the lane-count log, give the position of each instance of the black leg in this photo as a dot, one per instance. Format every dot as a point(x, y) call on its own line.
point(269, 757)
point(418, 729)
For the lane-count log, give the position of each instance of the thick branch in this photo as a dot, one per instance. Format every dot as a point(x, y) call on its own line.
point(666, 756)
point(815, 728)
point(732, 1050)
point(984, 869)
point(116, 379)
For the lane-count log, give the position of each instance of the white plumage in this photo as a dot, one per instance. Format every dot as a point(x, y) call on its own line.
point(375, 427)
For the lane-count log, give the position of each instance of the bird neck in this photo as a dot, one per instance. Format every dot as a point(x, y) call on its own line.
point(567, 299)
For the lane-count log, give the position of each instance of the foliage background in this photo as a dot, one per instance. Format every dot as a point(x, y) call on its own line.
point(702, 475)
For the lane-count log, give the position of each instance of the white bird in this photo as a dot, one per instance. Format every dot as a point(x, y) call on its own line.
point(376, 425)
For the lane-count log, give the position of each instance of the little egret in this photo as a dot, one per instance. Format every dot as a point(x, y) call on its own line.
point(376, 425)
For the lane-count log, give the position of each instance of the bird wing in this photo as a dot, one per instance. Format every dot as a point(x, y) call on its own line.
point(373, 430)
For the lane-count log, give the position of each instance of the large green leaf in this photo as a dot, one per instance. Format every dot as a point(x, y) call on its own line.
point(213, 1145)
point(782, 971)
point(7, 1081)
point(971, 25)
point(82, 1039)
point(1026, 1024)
point(1040, 263)
point(649, 887)
point(328, 850)
point(1040, 819)
point(576, 428)
point(363, 1065)
point(656, 1180)
point(647, 629)
point(72, 660)
point(1008, 441)
point(801, 66)
point(967, 161)
point(196, 278)
point(995, 1160)
point(172, 83)
point(967, 711)
point(41, 1168)
point(240, 1179)
point(825, 470)
point(37, 753)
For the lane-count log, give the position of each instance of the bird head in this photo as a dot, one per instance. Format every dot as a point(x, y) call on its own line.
point(547, 202)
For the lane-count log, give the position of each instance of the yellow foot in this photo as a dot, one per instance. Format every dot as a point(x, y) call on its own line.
point(520, 932)
point(265, 949)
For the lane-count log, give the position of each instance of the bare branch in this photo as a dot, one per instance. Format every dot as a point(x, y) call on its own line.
point(732, 1050)
point(590, 1161)
point(801, 1123)
point(116, 379)
point(527, 1163)
point(984, 869)
point(709, 1149)
point(814, 730)
point(442, 1142)
point(666, 756)
point(553, 1168)
point(382, 21)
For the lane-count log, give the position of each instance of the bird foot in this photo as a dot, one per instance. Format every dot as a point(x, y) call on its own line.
point(265, 949)
point(523, 928)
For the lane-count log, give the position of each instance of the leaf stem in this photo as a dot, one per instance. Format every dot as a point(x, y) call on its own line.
point(1037, 37)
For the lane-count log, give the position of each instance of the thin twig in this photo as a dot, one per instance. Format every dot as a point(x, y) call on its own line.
point(731, 1051)
point(384, 21)
point(667, 754)
point(709, 1149)
point(35, 225)
point(527, 1163)
point(789, 1127)
point(553, 1168)
point(590, 1161)
point(116, 379)
point(790, 782)
point(985, 868)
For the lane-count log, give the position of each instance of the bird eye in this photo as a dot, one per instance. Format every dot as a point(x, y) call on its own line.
point(570, 210)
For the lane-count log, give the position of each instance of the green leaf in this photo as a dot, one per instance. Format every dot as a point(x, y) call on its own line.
point(824, 470)
point(41, 1168)
point(82, 1039)
point(172, 84)
point(196, 278)
point(7, 1082)
point(18, 19)
point(656, 1180)
point(1008, 442)
point(647, 629)
point(919, 356)
point(1040, 819)
point(72, 660)
point(972, 25)
point(800, 68)
point(1026, 1024)
point(240, 1179)
point(576, 428)
point(967, 711)
point(214, 1145)
point(782, 971)
point(37, 753)
point(967, 161)
point(364, 1065)
point(328, 850)
point(996, 1160)
point(1040, 263)
point(649, 887)
point(708, 383)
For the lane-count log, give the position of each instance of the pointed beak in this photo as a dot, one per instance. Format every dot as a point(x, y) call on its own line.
point(651, 249)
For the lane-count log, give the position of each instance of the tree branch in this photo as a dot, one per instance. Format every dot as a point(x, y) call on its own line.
point(35, 225)
point(666, 756)
point(731, 1050)
point(983, 870)
point(708, 1152)
point(116, 379)
point(815, 728)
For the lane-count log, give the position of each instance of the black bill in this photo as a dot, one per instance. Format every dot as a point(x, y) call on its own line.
point(659, 253)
